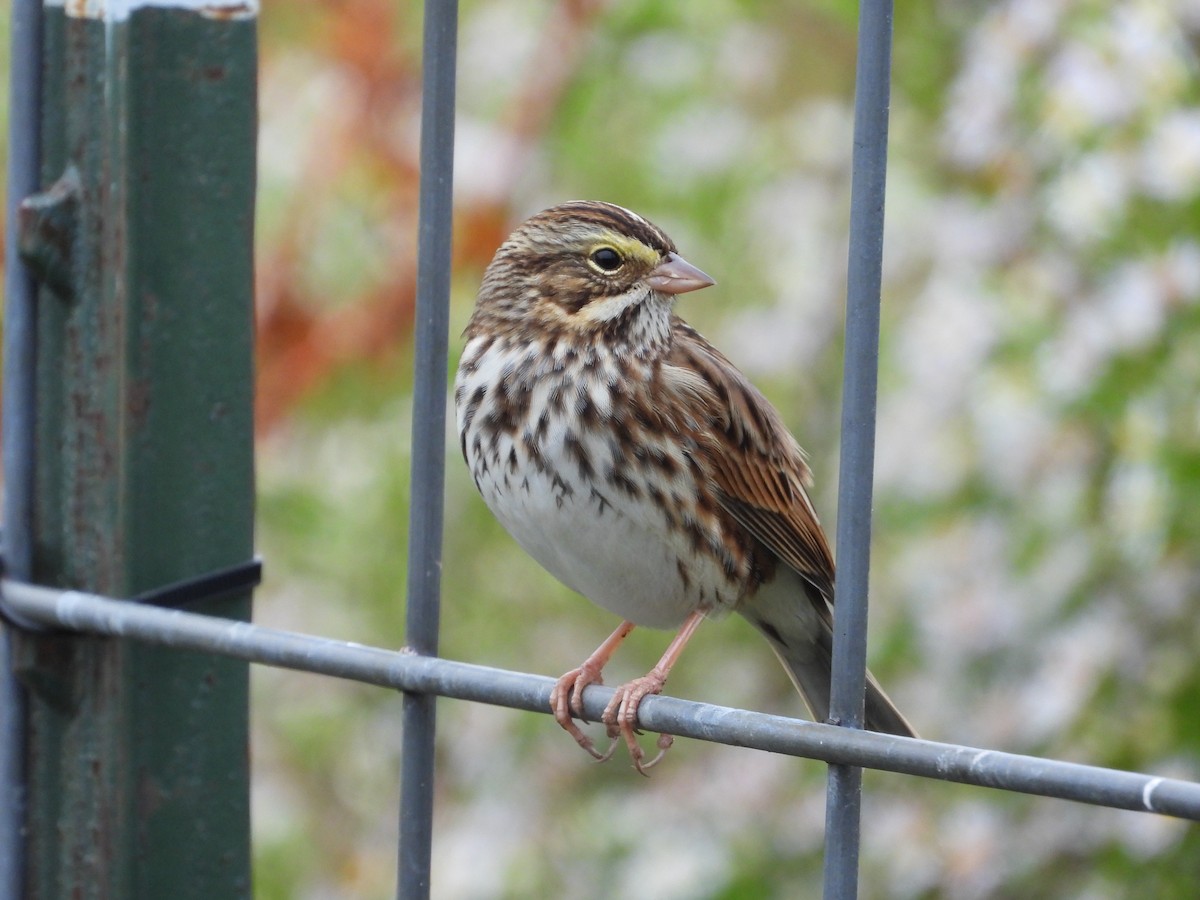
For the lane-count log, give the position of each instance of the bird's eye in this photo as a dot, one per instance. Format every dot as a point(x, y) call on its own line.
point(606, 259)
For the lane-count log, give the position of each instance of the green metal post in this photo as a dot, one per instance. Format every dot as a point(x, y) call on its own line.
point(137, 756)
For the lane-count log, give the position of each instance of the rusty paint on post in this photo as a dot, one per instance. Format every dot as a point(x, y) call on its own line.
point(138, 772)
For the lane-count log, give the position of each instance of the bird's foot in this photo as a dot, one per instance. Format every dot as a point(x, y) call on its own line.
point(566, 702)
point(620, 717)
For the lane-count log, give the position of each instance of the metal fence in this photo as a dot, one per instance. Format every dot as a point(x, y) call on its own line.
point(417, 671)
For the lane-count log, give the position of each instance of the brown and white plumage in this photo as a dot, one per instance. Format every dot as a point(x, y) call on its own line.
point(632, 460)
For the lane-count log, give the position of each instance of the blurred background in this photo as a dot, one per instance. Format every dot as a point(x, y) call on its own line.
point(1036, 577)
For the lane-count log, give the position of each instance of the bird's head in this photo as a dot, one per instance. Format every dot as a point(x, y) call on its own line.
point(586, 268)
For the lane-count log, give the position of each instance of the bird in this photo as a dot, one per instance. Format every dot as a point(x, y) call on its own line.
point(636, 464)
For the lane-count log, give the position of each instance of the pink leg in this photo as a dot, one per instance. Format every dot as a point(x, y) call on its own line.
point(567, 697)
point(621, 713)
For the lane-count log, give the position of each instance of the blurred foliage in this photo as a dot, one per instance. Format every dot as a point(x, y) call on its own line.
point(1036, 585)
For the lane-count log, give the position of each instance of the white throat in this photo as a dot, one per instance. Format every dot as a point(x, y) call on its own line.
point(648, 313)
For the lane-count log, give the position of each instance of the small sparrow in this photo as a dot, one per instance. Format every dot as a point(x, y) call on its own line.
point(632, 460)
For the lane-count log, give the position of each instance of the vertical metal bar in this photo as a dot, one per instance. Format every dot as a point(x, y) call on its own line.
point(20, 338)
point(860, 377)
point(428, 437)
point(137, 756)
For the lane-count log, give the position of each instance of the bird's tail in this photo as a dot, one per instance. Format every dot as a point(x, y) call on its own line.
point(803, 641)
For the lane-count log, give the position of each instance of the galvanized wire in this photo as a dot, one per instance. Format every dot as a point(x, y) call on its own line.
point(860, 375)
point(411, 672)
point(428, 438)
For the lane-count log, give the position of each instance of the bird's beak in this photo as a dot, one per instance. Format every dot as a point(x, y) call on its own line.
point(676, 275)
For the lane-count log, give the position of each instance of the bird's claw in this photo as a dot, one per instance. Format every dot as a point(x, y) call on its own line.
point(566, 702)
point(619, 718)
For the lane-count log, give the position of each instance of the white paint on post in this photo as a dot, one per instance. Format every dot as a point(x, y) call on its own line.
point(117, 10)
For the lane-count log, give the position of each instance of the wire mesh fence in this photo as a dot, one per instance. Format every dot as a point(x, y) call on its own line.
point(422, 676)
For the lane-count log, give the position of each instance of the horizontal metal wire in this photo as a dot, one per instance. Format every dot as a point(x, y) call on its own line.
point(406, 671)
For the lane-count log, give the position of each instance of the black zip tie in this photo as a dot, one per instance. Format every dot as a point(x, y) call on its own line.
point(233, 579)
point(244, 576)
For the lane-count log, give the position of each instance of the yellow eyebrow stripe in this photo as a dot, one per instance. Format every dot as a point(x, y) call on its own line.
point(629, 248)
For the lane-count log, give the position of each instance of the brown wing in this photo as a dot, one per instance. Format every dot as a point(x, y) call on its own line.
point(754, 463)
